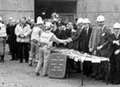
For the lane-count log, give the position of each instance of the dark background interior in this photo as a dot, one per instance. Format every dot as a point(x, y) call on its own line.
point(50, 6)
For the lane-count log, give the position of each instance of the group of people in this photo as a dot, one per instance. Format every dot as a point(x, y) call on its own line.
point(30, 41)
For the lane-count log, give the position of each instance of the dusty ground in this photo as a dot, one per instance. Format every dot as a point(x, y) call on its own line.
point(14, 74)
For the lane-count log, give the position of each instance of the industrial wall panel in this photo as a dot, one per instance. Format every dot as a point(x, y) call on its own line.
point(16, 8)
point(92, 8)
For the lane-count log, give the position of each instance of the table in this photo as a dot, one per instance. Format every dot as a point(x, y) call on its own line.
point(82, 57)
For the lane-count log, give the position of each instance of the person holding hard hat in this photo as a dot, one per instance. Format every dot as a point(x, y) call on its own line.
point(46, 40)
point(115, 57)
point(3, 36)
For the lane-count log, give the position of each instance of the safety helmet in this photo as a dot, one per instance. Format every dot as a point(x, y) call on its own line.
point(100, 18)
point(116, 25)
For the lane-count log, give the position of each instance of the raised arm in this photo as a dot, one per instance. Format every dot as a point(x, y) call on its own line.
point(57, 40)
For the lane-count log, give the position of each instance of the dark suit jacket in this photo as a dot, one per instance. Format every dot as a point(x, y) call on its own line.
point(11, 33)
point(80, 39)
point(106, 41)
point(75, 37)
point(84, 39)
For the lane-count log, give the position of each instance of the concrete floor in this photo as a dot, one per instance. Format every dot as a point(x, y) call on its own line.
point(15, 74)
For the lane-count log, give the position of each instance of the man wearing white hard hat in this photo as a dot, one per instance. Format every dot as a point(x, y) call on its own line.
point(36, 31)
point(98, 43)
point(46, 40)
point(98, 31)
point(3, 36)
point(115, 57)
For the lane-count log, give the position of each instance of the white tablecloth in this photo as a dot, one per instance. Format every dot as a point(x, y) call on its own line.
point(77, 56)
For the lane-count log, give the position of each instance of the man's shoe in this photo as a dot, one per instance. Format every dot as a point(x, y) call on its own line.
point(99, 77)
point(37, 73)
point(12, 59)
point(93, 75)
point(30, 62)
point(21, 61)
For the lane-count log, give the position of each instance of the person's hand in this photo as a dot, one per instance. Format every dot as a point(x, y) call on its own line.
point(39, 44)
point(116, 42)
point(90, 49)
point(99, 47)
point(117, 52)
point(94, 53)
point(69, 40)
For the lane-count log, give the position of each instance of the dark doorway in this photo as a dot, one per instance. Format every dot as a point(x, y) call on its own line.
point(45, 8)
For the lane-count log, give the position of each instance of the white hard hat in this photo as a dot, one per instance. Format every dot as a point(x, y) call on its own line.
point(39, 20)
point(80, 20)
point(86, 20)
point(116, 25)
point(100, 18)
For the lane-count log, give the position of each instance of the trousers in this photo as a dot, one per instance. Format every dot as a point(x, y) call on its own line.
point(43, 60)
point(23, 49)
point(34, 51)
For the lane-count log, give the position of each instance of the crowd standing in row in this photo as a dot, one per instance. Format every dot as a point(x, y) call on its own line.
point(29, 41)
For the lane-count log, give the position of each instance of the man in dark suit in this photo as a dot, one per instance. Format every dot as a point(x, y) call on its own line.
point(76, 34)
point(85, 36)
point(12, 39)
point(84, 43)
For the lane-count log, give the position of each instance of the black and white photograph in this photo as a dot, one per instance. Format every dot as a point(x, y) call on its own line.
point(59, 43)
